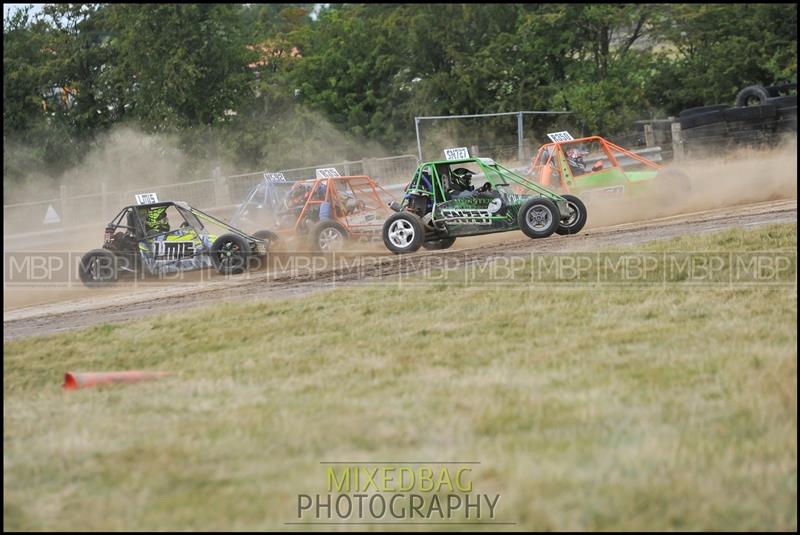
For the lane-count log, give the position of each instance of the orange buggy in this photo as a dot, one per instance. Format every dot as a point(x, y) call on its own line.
point(327, 212)
point(608, 171)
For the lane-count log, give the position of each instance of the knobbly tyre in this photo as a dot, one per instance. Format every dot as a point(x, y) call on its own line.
point(597, 169)
point(326, 212)
point(169, 237)
point(441, 204)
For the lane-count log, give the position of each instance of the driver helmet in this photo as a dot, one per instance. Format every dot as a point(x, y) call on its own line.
point(461, 179)
point(298, 194)
point(157, 219)
point(575, 154)
point(575, 157)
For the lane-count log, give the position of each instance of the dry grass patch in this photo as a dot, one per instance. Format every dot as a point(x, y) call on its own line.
point(665, 407)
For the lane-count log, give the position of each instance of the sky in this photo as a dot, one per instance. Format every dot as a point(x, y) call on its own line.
point(10, 8)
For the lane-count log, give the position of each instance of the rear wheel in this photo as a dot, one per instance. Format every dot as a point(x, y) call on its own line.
point(98, 268)
point(437, 245)
point(229, 254)
point(538, 218)
point(403, 232)
point(674, 180)
point(577, 216)
point(672, 187)
point(328, 236)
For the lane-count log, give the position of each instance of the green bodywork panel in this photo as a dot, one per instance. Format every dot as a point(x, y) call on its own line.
point(599, 179)
point(610, 180)
point(639, 176)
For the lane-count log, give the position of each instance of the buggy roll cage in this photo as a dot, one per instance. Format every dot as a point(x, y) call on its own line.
point(489, 168)
point(132, 212)
point(270, 195)
point(543, 162)
point(313, 198)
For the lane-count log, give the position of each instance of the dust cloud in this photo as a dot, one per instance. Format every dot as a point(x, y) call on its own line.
point(739, 177)
point(127, 159)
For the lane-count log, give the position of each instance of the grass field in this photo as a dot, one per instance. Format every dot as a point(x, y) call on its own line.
point(661, 406)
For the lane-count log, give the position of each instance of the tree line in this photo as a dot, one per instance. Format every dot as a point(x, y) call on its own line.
point(253, 82)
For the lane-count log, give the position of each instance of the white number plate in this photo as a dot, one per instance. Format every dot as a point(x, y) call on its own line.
point(458, 153)
point(146, 198)
point(557, 137)
point(327, 172)
point(274, 177)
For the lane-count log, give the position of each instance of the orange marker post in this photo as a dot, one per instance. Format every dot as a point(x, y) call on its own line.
point(75, 380)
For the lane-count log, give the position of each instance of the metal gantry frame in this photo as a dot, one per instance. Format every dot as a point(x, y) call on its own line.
point(519, 114)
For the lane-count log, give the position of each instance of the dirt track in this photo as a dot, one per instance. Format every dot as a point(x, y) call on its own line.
point(318, 273)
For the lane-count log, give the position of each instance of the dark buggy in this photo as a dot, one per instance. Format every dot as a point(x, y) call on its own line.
point(169, 237)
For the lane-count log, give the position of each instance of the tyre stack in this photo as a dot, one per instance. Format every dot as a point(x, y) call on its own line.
point(759, 118)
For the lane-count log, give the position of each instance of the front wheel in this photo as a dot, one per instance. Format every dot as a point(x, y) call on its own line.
point(403, 233)
point(577, 216)
point(229, 254)
point(98, 268)
point(538, 218)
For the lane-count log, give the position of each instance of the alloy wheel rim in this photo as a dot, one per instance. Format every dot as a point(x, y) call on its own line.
point(539, 217)
point(401, 233)
point(330, 238)
point(574, 214)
